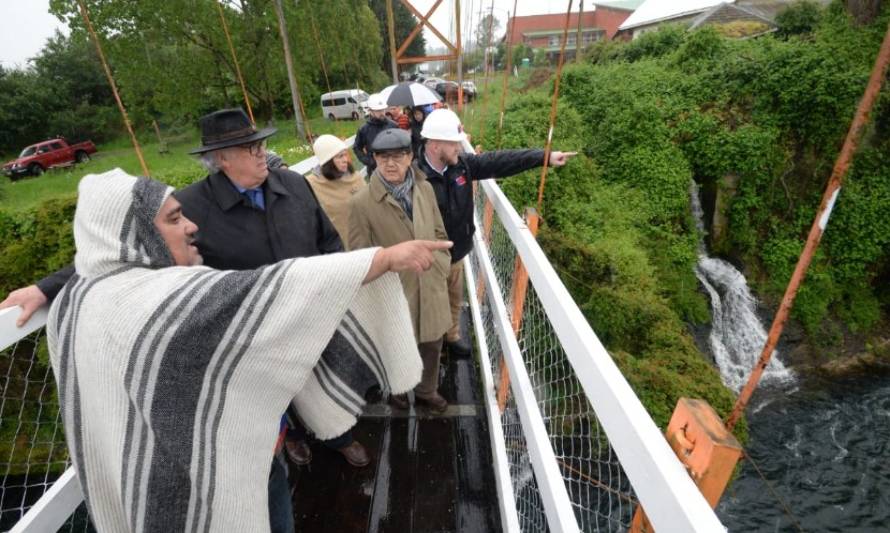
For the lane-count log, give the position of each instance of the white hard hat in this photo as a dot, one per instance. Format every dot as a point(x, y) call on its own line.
point(376, 103)
point(443, 125)
point(326, 147)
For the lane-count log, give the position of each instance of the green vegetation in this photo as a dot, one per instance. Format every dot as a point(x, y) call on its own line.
point(653, 114)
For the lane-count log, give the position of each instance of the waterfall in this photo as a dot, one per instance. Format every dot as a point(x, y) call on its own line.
point(737, 336)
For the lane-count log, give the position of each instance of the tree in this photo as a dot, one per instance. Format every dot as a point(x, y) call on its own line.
point(486, 29)
point(403, 21)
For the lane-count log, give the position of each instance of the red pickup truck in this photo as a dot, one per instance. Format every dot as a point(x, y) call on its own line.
point(48, 154)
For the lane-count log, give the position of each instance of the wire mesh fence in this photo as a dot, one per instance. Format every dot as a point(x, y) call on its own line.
point(33, 453)
point(600, 492)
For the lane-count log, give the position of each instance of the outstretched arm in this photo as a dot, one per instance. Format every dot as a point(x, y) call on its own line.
point(409, 256)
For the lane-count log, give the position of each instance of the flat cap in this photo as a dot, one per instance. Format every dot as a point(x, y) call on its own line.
point(391, 139)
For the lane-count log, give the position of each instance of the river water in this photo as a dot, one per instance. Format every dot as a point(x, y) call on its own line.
point(825, 449)
point(822, 445)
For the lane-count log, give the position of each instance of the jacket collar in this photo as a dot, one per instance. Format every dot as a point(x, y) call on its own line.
point(228, 197)
point(378, 190)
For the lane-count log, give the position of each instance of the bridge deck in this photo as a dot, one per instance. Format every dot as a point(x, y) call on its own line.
point(428, 473)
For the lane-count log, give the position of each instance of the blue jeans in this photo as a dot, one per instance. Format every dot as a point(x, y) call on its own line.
point(281, 512)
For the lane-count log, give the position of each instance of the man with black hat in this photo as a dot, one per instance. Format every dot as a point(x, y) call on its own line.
point(250, 216)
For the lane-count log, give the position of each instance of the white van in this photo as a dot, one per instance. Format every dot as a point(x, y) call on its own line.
point(349, 104)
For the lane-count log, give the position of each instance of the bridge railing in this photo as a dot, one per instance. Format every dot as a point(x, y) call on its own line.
point(578, 451)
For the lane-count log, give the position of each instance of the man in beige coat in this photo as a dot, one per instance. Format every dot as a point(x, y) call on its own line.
point(399, 205)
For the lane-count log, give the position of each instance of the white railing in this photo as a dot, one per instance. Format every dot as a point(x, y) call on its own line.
point(564, 384)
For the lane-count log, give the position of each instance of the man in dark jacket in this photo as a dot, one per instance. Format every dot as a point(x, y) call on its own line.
point(376, 123)
point(450, 171)
point(249, 217)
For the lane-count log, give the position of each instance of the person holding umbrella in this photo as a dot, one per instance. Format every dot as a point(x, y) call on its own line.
point(376, 123)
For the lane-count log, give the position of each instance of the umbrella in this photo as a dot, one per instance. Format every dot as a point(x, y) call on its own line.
point(408, 94)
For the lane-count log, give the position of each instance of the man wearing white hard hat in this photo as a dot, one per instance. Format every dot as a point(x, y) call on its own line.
point(376, 123)
point(450, 172)
point(334, 181)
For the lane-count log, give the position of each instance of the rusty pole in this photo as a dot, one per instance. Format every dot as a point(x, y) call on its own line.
point(507, 72)
point(553, 102)
point(117, 96)
point(860, 120)
point(578, 36)
point(225, 26)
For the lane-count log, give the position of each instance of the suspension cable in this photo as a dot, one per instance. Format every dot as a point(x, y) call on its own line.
point(225, 26)
point(487, 74)
point(117, 97)
point(324, 68)
point(553, 102)
point(860, 120)
point(507, 72)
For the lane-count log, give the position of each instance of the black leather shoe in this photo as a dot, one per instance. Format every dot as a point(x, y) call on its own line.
point(355, 454)
point(459, 348)
point(298, 451)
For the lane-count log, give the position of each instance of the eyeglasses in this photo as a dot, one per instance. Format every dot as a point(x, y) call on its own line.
point(391, 156)
point(255, 149)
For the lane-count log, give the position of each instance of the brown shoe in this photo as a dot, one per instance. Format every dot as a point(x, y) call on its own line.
point(435, 402)
point(298, 451)
point(355, 454)
point(399, 401)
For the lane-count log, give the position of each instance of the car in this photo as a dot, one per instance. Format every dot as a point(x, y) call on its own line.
point(37, 158)
point(448, 91)
point(431, 83)
point(349, 104)
point(469, 89)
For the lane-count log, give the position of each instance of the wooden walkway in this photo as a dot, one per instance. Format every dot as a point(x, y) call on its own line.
point(429, 474)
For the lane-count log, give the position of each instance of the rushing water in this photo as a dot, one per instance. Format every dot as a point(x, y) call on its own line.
point(825, 449)
point(737, 336)
point(822, 445)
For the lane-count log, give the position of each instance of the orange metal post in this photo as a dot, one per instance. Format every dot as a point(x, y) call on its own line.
point(860, 120)
point(487, 221)
point(519, 290)
point(705, 447)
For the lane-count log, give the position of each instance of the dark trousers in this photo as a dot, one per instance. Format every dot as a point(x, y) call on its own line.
point(281, 512)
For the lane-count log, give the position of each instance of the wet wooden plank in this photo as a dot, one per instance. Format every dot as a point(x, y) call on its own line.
point(392, 509)
point(437, 465)
point(332, 495)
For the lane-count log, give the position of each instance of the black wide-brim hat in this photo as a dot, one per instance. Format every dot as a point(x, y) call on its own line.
point(228, 127)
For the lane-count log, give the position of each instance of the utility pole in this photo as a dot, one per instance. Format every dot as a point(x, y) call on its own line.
point(294, 90)
point(392, 41)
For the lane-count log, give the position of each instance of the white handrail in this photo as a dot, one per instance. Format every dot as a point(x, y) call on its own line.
point(10, 333)
point(506, 500)
point(672, 501)
point(54, 508)
point(554, 496)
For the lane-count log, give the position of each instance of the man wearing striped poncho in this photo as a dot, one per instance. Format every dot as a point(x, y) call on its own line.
point(172, 379)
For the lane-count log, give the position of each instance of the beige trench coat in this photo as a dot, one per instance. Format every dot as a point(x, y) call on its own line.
point(377, 219)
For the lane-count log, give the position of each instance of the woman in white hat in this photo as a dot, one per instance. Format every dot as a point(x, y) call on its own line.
point(334, 181)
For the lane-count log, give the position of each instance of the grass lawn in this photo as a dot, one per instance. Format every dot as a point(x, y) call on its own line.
point(175, 166)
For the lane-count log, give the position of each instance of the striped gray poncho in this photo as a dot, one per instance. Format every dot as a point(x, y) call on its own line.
point(172, 380)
